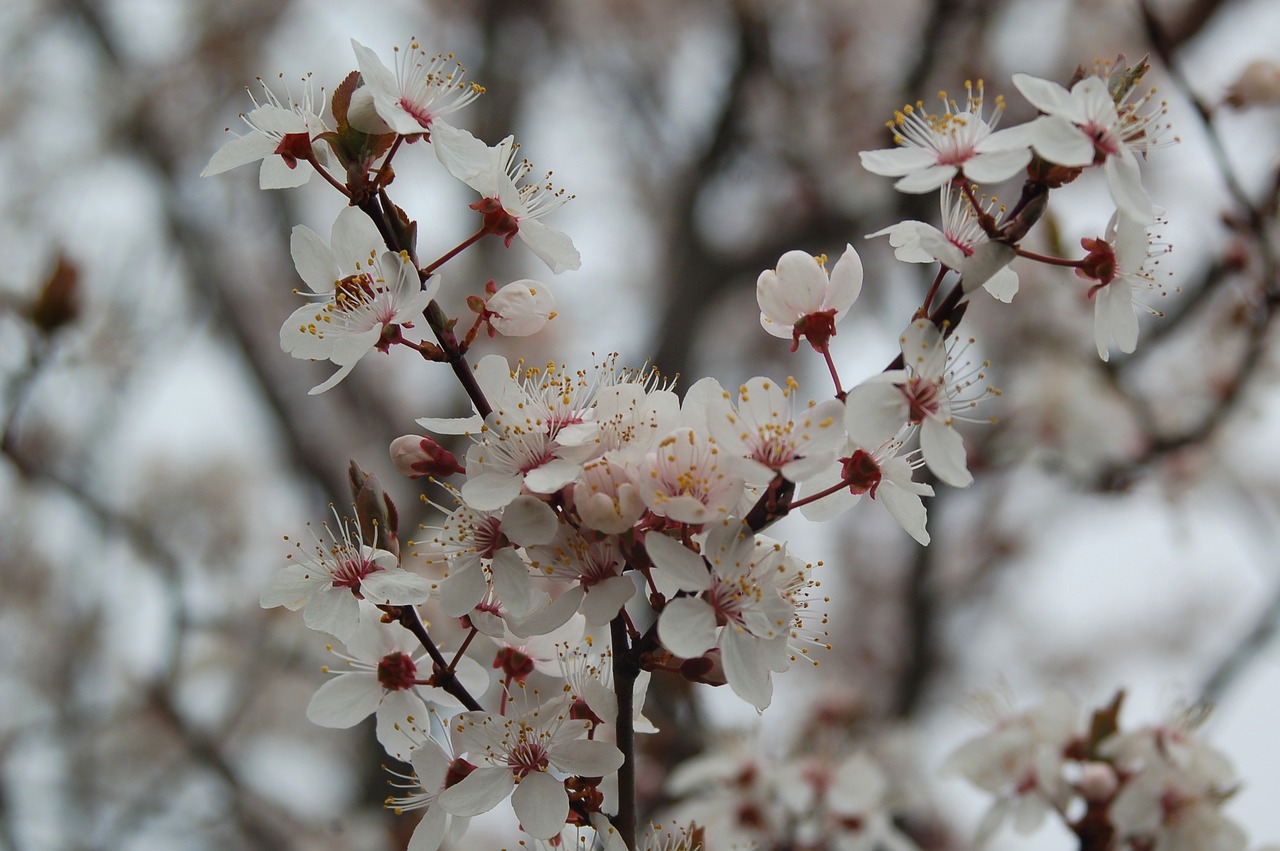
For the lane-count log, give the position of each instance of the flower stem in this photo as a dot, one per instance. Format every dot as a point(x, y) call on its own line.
point(453, 252)
point(1052, 261)
point(835, 376)
point(386, 163)
point(445, 679)
point(625, 672)
point(923, 312)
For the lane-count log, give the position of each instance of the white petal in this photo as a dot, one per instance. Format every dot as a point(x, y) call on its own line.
point(541, 804)
point(313, 259)
point(934, 177)
point(996, 166)
point(395, 587)
point(687, 627)
point(478, 792)
point(907, 508)
point(1125, 182)
point(679, 563)
point(528, 522)
point(511, 582)
point(1045, 95)
point(846, 282)
point(587, 757)
point(1059, 141)
point(238, 151)
point(943, 451)
point(355, 239)
point(745, 669)
point(463, 155)
point(344, 701)
point(895, 162)
point(553, 247)
point(874, 411)
point(605, 599)
point(429, 833)
point(491, 491)
point(463, 588)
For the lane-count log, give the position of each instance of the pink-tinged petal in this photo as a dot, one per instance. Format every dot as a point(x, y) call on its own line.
point(375, 76)
point(874, 411)
point(895, 162)
point(587, 757)
point(942, 249)
point(1124, 179)
point(363, 115)
point(553, 247)
point(356, 239)
point(996, 166)
point(846, 282)
point(687, 627)
point(392, 720)
point(344, 701)
point(1046, 96)
point(491, 491)
point(943, 451)
point(905, 237)
point(541, 804)
point(529, 522)
point(238, 151)
point(429, 834)
point(907, 508)
point(511, 582)
point(552, 476)
point(605, 599)
point(313, 259)
point(478, 792)
point(934, 177)
point(745, 669)
point(1115, 306)
point(395, 588)
point(683, 566)
point(1059, 141)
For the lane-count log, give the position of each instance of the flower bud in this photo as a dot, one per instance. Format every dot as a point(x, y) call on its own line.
point(421, 456)
point(1098, 781)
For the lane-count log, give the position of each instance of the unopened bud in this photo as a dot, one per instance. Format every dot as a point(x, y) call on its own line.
point(1098, 781)
point(416, 457)
point(58, 303)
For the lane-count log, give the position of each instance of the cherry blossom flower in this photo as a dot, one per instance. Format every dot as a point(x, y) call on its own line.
point(607, 498)
point(594, 567)
point(799, 298)
point(412, 100)
point(881, 472)
point(934, 148)
point(361, 295)
point(530, 754)
point(510, 206)
point(1087, 126)
point(328, 581)
point(961, 245)
point(928, 393)
point(1122, 265)
point(1021, 763)
point(842, 802)
point(281, 137)
point(384, 679)
point(739, 606)
point(764, 435)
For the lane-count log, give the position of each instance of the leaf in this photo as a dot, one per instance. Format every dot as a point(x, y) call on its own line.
point(342, 100)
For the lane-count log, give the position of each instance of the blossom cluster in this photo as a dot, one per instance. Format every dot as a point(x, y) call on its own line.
point(599, 525)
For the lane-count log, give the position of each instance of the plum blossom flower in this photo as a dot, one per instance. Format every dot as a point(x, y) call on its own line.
point(328, 581)
point(928, 392)
point(510, 206)
point(934, 148)
point(741, 605)
point(281, 137)
point(882, 472)
point(412, 100)
point(1122, 264)
point(799, 298)
point(1092, 124)
point(384, 679)
point(594, 567)
point(361, 295)
point(764, 435)
point(531, 754)
point(961, 245)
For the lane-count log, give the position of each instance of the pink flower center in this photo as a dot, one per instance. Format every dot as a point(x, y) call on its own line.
point(528, 757)
point(396, 672)
point(415, 110)
point(923, 398)
point(352, 570)
point(489, 538)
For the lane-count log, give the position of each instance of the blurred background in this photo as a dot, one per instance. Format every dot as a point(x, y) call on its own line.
point(157, 444)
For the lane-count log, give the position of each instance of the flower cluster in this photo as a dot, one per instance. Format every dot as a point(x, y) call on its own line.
point(600, 525)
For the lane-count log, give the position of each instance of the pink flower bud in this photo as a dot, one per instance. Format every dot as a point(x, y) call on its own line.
point(421, 456)
point(1098, 781)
